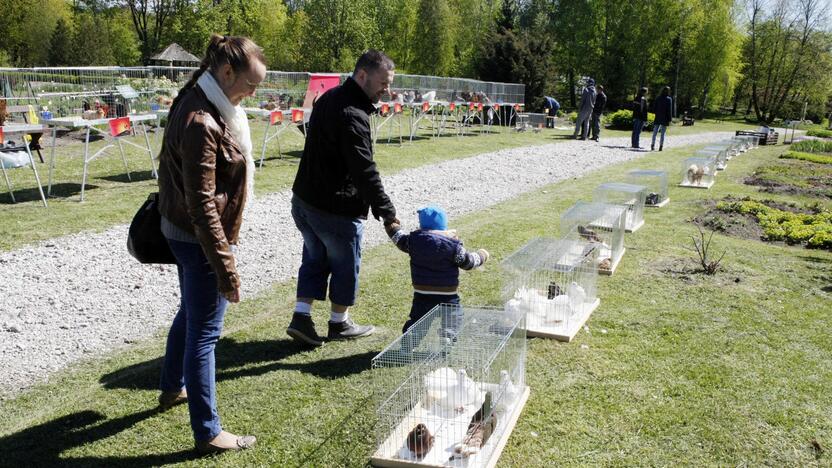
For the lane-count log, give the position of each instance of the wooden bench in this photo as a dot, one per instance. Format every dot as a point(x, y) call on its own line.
point(770, 138)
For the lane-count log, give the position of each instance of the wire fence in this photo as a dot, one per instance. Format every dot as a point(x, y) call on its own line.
point(64, 90)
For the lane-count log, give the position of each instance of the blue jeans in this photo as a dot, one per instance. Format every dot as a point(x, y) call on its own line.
point(637, 126)
point(656, 129)
point(189, 355)
point(331, 253)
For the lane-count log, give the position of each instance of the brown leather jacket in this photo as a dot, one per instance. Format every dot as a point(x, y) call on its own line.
point(202, 181)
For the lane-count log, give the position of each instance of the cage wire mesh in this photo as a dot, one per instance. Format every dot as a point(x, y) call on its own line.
point(656, 183)
point(698, 172)
point(450, 388)
point(631, 196)
point(598, 223)
point(65, 88)
point(718, 152)
point(553, 282)
point(732, 147)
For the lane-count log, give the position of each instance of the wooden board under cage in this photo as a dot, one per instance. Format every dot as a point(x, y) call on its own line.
point(558, 329)
point(702, 186)
point(607, 263)
point(393, 452)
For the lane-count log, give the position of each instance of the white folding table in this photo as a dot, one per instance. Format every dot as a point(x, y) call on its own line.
point(281, 120)
point(23, 129)
point(91, 126)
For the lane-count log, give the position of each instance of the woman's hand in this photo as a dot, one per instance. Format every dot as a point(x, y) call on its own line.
point(233, 296)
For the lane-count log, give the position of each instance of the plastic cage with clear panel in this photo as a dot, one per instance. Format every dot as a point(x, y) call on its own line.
point(698, 172)
point(733, 146)
point(741, 142)
point(631, 196)
point(552, 281)
point(598, 223)
point(720, 153)
point(451, 388)
point(656, 183)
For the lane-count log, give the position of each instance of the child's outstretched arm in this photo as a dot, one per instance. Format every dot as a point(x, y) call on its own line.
point(398, 236)
point(470, 260)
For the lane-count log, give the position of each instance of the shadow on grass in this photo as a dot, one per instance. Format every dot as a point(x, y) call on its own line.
point(292, 156)
point(44, 444)
point(135, 176)
point(244, 359)
point(341, 446)
point(32, 194)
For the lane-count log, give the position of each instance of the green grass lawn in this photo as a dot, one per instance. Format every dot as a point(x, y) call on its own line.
point(676, 369)
point(111, 199)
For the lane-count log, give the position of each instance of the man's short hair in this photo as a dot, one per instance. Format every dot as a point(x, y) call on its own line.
point(373, 60)
point(600, 87)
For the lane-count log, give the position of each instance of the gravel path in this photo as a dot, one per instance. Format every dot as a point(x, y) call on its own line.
point(79, 296)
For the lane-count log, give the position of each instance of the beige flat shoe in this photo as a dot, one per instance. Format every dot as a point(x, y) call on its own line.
point(224, 442)
point(168, 400)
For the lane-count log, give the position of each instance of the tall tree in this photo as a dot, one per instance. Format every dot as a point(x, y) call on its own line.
point(150, 18)
point(336, 33)
point(60, 45)
point(434, 44)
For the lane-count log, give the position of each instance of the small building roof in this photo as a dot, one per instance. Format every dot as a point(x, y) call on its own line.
point(175, 53)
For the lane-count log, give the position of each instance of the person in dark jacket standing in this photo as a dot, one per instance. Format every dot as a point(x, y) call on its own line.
point(598, 112)
point(337, 183)
point(639, 115)
point(585, 110)
point(663, 107)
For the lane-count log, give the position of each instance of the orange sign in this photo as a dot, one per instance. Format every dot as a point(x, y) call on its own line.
point(385, 109)
point(517, 107)
point(275, 117)
point(297, 115)
point(496, 107)
point(1, 135)
point(425, 106)
point(397, 108)
point(452, 106)
point(479, 107)
point(119, 126)
point(470, 106)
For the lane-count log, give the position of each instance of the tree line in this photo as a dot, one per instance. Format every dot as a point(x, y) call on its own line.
point(766, 59)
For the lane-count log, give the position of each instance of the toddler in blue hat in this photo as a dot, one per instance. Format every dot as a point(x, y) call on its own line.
point(436, 255)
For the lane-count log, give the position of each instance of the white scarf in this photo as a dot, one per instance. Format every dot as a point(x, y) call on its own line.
point(237, 121)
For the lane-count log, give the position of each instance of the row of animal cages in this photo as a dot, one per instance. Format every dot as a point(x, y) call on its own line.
point(699, 171)
point(452, 386)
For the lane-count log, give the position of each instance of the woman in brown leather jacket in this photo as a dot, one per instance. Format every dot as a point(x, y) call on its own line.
point(206, 174)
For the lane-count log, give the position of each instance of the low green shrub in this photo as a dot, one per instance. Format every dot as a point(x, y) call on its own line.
point(572, 116)
point(815, 230)
point(623, 120)
point(811, 157)
point(813, 146)
point(820, 133)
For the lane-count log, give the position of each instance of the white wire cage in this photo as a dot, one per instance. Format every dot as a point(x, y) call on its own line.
point(743, 141)
point(631, 196)
point(698, 172)
point(718, 152)
point(656, 182)
point(598, 223)
point(451, 388)
point(552, 281)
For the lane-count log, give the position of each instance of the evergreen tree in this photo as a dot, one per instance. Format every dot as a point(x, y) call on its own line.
point(59, 45)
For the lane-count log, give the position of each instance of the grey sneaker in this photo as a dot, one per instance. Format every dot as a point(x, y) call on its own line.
point(348, 329)
point(302, 329)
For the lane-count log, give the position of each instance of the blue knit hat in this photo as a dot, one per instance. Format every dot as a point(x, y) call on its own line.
point(433, 218)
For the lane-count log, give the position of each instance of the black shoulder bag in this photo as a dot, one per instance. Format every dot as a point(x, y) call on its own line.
point(145, 240)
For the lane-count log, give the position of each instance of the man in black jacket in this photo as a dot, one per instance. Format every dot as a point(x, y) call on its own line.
point(598, 112)
point(336, 185)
